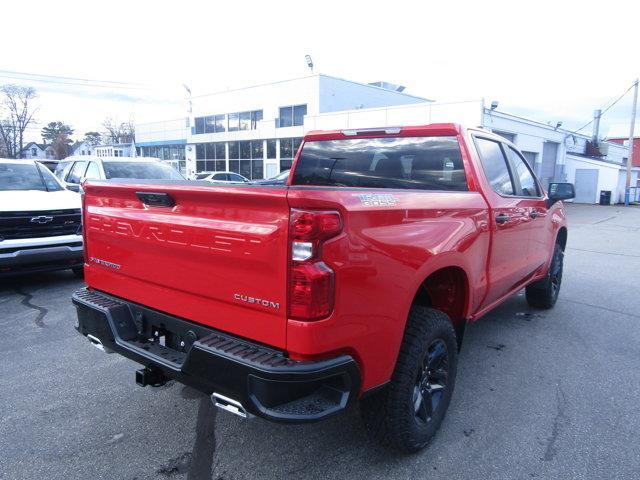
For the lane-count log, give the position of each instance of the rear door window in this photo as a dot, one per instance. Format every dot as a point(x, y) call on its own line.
point(494, 165)
point(62, 169)
point(526, 185)
point(423, 163)
point(77, 172)
point(93, 171)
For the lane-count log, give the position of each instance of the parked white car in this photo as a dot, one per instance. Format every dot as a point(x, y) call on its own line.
point(40, 221)
point(222, 177)
point(72, 171)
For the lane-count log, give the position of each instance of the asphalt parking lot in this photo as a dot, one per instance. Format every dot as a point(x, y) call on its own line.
point(540, 394)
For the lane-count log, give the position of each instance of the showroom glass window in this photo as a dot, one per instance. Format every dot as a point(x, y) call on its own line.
point(288, 149)
point(292, 116)
point(251, 162)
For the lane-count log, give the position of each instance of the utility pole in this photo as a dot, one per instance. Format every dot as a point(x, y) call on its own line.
point(627, 192)
point(190, 106)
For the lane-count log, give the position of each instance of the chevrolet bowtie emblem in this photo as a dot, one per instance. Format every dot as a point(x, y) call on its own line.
point(41, 219)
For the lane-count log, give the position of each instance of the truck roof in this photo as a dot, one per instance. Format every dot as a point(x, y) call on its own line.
point(434, 129)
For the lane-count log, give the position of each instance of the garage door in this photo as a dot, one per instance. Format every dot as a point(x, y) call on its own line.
point(586, 185)
point(548, 165)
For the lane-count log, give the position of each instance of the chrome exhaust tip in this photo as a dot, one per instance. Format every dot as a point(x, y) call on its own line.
point(229, 405)
point(96, 342)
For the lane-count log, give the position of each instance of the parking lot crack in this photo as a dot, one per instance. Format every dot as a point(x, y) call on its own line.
point(26, 301)
point(205, 443)
point(604, 253)
point(559, 422)
point(606, 309)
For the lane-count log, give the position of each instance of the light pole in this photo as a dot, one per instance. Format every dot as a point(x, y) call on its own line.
point(627, 192)
point(186, 87)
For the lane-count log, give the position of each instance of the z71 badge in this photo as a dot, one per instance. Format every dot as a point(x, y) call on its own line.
point(378, 199)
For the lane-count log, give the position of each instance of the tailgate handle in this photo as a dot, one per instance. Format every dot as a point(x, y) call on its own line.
point(156, 199)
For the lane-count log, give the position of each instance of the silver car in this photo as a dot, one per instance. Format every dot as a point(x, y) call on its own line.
point(72, 171)
point(222, 177)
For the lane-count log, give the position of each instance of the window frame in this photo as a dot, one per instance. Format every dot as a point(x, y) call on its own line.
point(503, 143)
point(299, 152)
point(292, 109)
point(86, 162)
point(293, 116)
point(516, 178)
point(197, 120)
point(97, 166)
point(210, 124)
point(236, 126)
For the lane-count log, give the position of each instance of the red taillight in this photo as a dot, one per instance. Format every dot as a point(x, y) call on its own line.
point(310, 225)
point(311, 281)
point(311, 291)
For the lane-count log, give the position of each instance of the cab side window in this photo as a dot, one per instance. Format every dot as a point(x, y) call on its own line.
point(526, 185)
point(495, 166)
point(62, 170)
point(77, 172)
point(93, 171)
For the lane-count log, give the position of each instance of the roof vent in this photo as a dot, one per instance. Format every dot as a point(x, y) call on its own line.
point(388, 86)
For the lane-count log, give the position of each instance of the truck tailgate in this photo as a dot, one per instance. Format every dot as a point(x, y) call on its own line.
point(217, 256)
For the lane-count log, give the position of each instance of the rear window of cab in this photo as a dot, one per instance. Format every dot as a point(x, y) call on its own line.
point(422, 163)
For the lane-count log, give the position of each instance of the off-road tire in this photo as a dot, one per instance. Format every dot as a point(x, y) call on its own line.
point(544, 293)
point(390, 415)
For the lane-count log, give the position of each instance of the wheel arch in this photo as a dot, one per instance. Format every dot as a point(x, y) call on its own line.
point(561, 237)
point(446, 289)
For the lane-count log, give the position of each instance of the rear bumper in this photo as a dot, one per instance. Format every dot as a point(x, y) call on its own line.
point(25, 258)
point(265, 381)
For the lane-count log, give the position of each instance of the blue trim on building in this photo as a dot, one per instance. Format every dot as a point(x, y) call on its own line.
point(161, 143)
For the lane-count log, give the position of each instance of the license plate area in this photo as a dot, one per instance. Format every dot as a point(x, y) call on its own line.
point(163, 336)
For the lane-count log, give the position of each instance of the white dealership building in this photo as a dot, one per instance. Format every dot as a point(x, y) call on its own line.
point(256, 131)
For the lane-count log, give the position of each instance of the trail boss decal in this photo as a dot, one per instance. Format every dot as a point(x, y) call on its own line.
point(378, 199)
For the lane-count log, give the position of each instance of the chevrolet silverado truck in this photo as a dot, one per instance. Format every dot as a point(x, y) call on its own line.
point(352, 281)
point(40, 226)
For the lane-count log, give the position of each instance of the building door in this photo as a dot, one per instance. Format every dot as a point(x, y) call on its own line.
point(548, 165)
point(272, 170)
point(586, 185)
point(531, 159)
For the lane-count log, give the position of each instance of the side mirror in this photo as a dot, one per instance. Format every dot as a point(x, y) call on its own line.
point(560, 191)
point(73, 187)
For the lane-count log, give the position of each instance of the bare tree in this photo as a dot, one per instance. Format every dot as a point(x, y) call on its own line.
point(123, 132)
point(16, 113)
point(93, 138)
point(61, 146)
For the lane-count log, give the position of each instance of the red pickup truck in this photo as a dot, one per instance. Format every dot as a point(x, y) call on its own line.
point(354, 281)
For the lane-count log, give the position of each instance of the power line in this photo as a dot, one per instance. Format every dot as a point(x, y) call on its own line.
point(603, 111)
point(73, 81)
point(59, 77)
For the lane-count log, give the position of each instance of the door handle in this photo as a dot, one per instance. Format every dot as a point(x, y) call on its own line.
point(156, 199)
point(502, 218)
point(534, 214)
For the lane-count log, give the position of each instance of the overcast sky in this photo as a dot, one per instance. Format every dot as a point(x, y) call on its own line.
point(548, 60)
